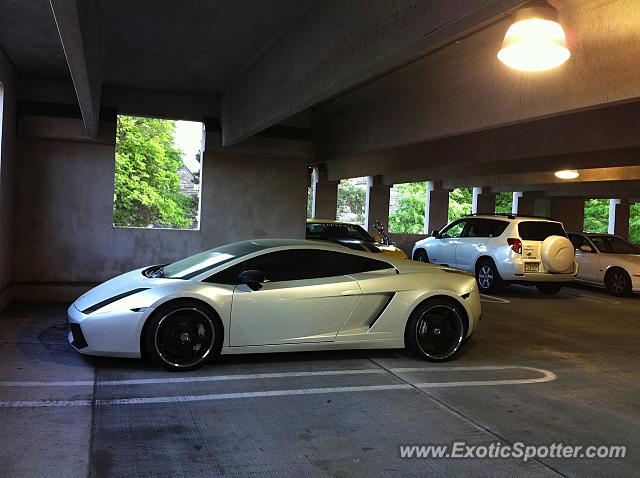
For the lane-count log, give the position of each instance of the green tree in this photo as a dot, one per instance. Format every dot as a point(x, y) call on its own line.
point(504, 203)
point(147, 183)
point(351, 199)
point(596, 215)
point(634, 224)
point(460, 202)
point(309, 202)
point(409, 217)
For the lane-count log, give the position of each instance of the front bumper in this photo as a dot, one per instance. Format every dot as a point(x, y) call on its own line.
point(112, 334)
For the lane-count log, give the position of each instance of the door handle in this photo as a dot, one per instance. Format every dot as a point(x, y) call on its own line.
point(350, 292)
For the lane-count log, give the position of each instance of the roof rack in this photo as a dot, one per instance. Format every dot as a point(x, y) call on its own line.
point(508, 215)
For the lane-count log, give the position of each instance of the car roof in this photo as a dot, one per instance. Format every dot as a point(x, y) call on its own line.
point(330, 221)
point(509, 217)
point(275, 242)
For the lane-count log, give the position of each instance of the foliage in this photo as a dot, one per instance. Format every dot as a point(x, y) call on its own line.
point(634, 224)
point(460, 202)
point(409, 217)
point(309, 202)
point(147, 183)
point(351, 202)
point(596, 215)
point(504, 203)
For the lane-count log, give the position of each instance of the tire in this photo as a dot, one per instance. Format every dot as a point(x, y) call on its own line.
point(618, 282)
point(421, 256)
point(488, 277)
point(436, 330)
point(549, 289)
point(183, 335)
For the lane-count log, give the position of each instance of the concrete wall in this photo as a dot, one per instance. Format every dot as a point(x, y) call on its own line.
point(65, 240)
point(7, 168)
point(406, 241)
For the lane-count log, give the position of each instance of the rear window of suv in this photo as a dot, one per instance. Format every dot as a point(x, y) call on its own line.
point(540, 230)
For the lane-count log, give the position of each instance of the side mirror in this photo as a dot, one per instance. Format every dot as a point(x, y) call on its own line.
point(435, 233)
point(252, 278)
point(586, 248)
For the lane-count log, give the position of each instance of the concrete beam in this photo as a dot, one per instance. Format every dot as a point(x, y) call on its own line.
point(484, 201)
point(570, 211)
point(80, 36)
point(436, 210)
point(338, 45)
point(509, 182)
point(463, 88)
point(377, 204)
point(593, 190)
point(586, 139)
point(619, 214)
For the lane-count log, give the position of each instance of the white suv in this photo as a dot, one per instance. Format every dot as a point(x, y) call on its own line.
point(504, 249)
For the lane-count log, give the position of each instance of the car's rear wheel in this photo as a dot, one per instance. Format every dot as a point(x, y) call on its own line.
point(618, 282)
point(183, 335)
point(487, 277)
point(436, 330)
point(549, 289)
point(421, 256)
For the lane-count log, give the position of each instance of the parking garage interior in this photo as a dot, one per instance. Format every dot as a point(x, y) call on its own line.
point(295, 96)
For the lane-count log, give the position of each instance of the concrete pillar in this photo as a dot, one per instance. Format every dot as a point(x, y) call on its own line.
point(325, 196)
point(619, 213)
point(570, 211)
point(523, 204)
point(377, 203)
point(484, 201)
point(436, 208)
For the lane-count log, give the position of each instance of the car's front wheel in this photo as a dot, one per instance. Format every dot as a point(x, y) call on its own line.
point(421, 256)
point(436, 330)
point(618, 282)
point(183, 335)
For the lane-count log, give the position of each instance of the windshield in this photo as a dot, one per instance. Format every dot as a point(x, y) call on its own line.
point(613, 245)
point(540, 230)
point(332, 232)
point(207, 260)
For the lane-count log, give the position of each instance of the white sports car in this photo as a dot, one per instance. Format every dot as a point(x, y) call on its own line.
point(273, 295)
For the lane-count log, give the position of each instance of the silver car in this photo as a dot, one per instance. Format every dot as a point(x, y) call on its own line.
point(504, 249)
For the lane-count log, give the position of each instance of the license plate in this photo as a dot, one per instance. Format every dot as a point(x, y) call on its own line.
point(531, 266)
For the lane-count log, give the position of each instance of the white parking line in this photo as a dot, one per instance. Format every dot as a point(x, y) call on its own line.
point(201, 378)
point(546, 377)
point(493, 299)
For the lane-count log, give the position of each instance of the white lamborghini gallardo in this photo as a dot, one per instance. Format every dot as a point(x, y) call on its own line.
point(274, 295)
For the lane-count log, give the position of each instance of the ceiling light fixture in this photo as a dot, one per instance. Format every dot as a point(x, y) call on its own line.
point(535, 41)
point(567, 174)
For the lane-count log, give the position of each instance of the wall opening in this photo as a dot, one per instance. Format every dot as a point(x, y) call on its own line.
point(504, 203)
point(158, 168)
point(596, 215)
point(634, 223)
point(352, 195)
point(406, 207)
point(460, 203)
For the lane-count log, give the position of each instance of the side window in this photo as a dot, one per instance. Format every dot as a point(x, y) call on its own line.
point(576, 240)
point(285, 266)
point(476, 228)
point(351, 264)
point(496, 228)
point(454, 230)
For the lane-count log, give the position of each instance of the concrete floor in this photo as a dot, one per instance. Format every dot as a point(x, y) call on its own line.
point(82, 421)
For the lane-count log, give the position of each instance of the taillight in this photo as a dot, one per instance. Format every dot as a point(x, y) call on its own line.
point(516, 244)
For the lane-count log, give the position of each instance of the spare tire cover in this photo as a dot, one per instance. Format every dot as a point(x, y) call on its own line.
point(557, 254)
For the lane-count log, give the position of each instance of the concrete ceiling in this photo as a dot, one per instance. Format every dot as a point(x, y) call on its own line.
point(29, 37)
point(191, 46)
point(188, 45)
